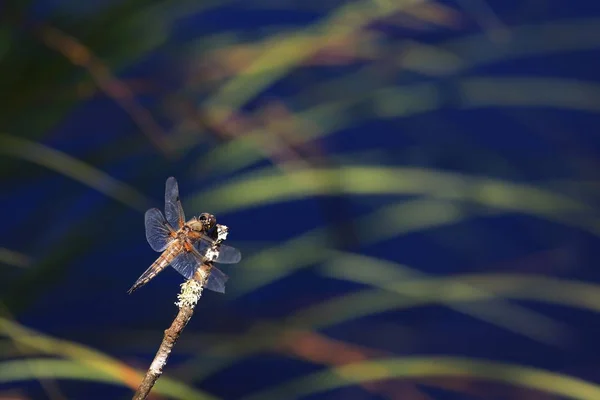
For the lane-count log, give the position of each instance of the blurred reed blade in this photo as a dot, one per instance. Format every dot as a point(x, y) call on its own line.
point(433, 367)
point(50, 387)
point(314, 246)
point(495, 309)
point(408, 294)
point(33, 74)
point(267, 187)
point(247, 148)
point(14, 258)
point(481, 11)
point(288, 51)
point(322, 350)
point(530, 40)
point(407, 100)
point(45, 368)
point(93, 363)
point(416, 293)
point(521, 91)
point(447, 58)
point(121, 94)
point(73, 168)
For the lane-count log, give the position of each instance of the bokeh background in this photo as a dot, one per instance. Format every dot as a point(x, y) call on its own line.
point(413, 185)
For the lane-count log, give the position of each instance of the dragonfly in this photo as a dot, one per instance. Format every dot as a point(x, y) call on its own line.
point(190, 247)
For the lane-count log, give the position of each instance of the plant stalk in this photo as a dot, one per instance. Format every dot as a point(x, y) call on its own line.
point(191, 291)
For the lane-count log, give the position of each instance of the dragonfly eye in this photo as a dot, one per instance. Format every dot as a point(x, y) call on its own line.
point(206, 219)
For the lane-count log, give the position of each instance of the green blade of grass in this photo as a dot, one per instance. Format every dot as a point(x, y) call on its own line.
point(409, 294)
point(44, 368)
point(293, 48)
point(73, 168)
point(89, 359)
point(433, 367)
point(268, 187)
point(495, 310)
point(313, 247)
point(14, 258)
point(527, 40)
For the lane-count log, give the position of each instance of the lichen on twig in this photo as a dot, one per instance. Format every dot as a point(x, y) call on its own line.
point(191, 291)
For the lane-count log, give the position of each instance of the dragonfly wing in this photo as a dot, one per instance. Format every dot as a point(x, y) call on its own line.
point(158, 232)
point(173, 208)
point(227, 254)
point(216, 280)
point(186, 264)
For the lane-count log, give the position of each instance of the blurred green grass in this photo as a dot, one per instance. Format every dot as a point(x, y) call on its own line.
point(125, 33)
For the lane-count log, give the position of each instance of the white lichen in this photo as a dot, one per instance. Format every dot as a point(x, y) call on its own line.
point(222, 232)
point(212, 253)
point(159, 362)
point(191, 290)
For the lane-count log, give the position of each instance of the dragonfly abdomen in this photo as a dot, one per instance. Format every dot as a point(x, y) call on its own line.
point(157, 266)
point(169, 255)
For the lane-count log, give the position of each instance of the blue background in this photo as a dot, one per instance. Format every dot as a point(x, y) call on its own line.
point(458, 217)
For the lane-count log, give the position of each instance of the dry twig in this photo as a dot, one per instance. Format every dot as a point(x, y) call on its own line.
point(191, 291)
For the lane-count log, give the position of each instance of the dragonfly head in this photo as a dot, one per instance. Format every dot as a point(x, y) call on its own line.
point(203, 222)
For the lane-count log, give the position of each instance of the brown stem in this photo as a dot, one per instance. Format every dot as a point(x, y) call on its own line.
point(186, 305)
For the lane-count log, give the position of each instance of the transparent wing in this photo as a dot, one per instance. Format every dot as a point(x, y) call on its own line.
point(216, 280)
point(186, 263)
point(158, 232)
point(227, 254)
point(173, 208)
